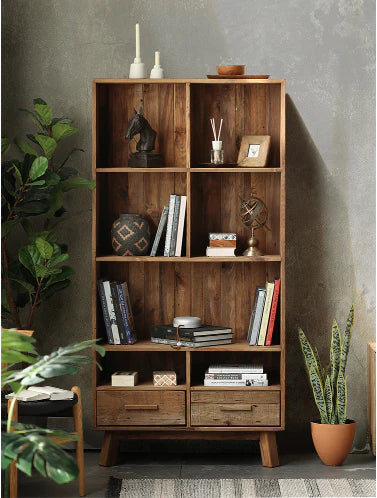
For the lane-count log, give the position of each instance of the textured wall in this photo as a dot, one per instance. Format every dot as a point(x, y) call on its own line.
point(326, 52)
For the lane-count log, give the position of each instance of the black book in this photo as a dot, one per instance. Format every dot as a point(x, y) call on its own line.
point(118, 313)
point(205, 332)
point(105, 311)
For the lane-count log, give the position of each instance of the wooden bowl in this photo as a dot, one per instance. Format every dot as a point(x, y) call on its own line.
point(231, 70)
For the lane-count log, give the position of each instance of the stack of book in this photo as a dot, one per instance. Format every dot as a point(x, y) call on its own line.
point(236, 375)
point(263, 315)
point(221, 244)
point(206, 335)
point(174, 216)
point(117, 312)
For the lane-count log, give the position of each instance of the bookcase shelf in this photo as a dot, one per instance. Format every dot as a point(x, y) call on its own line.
point(218, 290)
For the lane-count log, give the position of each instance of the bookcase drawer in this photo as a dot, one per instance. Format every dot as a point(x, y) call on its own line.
point(235, 408)
point(141, 408)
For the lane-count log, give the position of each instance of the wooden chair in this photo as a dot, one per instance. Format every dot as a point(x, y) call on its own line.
point(60, 408)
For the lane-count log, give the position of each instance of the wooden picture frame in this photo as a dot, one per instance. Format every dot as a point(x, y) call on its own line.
point(254, 151)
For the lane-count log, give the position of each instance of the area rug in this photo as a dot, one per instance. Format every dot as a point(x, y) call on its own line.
point(239, 488)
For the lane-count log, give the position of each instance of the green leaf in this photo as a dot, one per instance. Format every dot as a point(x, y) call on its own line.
point(38, 168)
point(29, 257)
point(309, 356)
point(319, 396)
point(34, 118)
point(24, 147)
point(38, 100)
point(44, 112)
point(60, 130)
point(341, 399)
point(5, 144)
point(45, 249)
point(48, 144)
point(328, 397)
point(64, 120)
point(77, 182)
point(59, 259)
point(66, 272)
point(346, 341)
point(26, 285)
point(7, 226)
point(32, 208)
point(13, 343)
point(335, 349)
point(55, 202)
point(44, 271)
point(37, 183)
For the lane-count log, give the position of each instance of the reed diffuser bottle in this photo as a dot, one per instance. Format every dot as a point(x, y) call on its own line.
point(217, 153)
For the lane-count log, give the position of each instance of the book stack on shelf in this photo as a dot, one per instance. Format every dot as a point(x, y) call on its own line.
point(174, 216)
point(263, 315)
point(236, 375)
point(117, 312)
point(221, 245)
point(206, 335)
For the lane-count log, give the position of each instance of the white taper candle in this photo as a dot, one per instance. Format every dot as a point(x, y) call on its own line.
point(157, 58)
point(138, 41)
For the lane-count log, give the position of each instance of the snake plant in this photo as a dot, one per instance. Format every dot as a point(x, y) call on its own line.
point(329, 384)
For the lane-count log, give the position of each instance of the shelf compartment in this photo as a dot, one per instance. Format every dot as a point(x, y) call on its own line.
point(233, 169)
point(143, 386)
point(220, 293)
point(195, 259)
point(272, 387)
point(131, 192)
point(166, 169)
point(150, 346)
point(164, 108)
point(199, 169)
point(215, 201)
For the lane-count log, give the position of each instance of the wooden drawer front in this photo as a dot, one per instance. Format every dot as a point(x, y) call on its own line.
point(234, 408)
point(141, 408)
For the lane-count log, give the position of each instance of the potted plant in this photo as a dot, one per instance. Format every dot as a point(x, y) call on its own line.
point(32, 200)
point(28, 445)
point(333, 435)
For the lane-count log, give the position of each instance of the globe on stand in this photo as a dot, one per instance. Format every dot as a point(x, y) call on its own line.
point(253, 214)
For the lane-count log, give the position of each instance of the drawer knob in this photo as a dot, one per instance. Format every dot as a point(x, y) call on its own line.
point(141, 407)
point(236, 408)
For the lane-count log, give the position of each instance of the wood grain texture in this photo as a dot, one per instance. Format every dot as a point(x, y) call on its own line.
point(13, 472)
point(207, 414)
point(372, 396)
point(110, 449)
point(268, 449)
point(77, 421)
point(112, 408)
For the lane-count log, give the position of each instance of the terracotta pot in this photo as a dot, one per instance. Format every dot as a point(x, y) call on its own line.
point(333, 442)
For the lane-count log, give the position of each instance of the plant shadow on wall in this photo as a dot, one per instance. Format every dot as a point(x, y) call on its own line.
point(317, 245)
point(33, 191)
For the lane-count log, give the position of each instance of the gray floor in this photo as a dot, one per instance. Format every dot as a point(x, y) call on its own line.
point(196, 466)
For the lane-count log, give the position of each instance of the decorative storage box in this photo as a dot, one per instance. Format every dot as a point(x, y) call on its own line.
point(124, 379)
point(164, 378)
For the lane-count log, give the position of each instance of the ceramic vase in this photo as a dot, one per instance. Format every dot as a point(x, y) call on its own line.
point(333, 442)
point(130, 235)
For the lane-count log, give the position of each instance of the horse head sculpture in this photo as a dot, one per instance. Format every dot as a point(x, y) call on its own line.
point(138, 124)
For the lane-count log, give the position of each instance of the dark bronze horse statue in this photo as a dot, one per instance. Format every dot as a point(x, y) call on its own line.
point(138, 124)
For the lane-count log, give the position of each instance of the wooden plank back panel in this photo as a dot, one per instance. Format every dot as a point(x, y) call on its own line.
point(180, 125)
point(274, 123)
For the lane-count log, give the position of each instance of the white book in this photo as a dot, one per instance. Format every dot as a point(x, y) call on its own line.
point(47, 389)
point(266, 313)
point(29, 396)
point(256, 368)
point(220, 251)
point(169, 226)
point(60, 396)
point(235, 376)
point(181, 224)
point(110, 308)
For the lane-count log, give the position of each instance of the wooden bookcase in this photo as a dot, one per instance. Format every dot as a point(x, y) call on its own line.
point(220, 291)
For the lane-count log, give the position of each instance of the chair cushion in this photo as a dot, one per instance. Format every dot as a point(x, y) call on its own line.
point(45, 408)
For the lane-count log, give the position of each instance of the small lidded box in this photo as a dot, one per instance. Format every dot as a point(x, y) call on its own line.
point(124, 379)
point(164, 378)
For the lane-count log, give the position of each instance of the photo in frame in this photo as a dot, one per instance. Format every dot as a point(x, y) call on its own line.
point(254, 151)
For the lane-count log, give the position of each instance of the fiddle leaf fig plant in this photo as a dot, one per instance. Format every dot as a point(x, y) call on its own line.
point(28, 445)
point(330, 385)
point(33, 190)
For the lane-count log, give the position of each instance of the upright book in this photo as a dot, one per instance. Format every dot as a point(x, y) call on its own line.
point(181, 224)
point(160, 229)
point(174, 230)
point(118, 313)
point(274, 307)
point(110, 307)
point(169, 226)
point(105, 311)
point(256, 315)
point(266, 313)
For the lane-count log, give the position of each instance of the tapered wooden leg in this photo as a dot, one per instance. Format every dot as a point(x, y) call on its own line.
point(77, 420)
point(269, 449)
point(13, 477)
point(110, 449)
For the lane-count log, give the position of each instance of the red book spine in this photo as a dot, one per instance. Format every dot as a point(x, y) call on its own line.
point(274, 306)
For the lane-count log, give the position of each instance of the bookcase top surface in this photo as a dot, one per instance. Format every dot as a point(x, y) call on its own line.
point(187, 80)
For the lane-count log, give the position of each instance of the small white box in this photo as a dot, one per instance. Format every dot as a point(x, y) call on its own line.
point(124, 379)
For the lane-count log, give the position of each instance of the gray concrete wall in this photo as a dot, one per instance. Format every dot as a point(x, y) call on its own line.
point(326, 52)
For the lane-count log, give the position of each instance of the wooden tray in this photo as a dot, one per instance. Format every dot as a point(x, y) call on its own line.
point(238, 77)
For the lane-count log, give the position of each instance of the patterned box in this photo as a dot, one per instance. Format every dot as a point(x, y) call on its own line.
point(164, 378)
point(222, 236)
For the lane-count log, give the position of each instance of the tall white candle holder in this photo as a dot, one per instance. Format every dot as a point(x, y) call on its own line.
point(137, 68)
point(157, 71)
